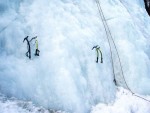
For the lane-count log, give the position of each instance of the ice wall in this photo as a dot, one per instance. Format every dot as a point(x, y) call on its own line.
point(131, 40)
point(65, 76)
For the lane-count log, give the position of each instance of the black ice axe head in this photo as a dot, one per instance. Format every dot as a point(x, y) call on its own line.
point(94, 47)
point(26, 38)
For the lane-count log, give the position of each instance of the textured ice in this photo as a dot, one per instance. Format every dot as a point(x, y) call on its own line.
point(65, 76)
point(124, 103)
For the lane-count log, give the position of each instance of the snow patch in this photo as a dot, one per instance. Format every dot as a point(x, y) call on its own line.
point(125, 103)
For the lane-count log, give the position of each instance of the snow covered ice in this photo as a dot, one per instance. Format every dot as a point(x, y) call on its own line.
point(65, 76)
point(124, 103)
point(13, 105)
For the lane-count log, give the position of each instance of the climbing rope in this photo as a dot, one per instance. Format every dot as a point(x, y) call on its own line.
point(99, 9)
point(107, 30)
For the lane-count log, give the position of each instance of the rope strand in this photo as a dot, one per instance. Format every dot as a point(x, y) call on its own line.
point(99, 9)
point(107, 28)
